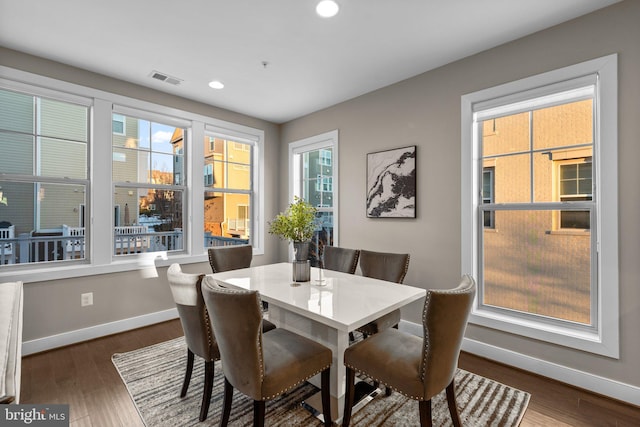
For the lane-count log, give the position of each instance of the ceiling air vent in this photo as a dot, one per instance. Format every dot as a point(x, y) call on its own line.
point(165, 78)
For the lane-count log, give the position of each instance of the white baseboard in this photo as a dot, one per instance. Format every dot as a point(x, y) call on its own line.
point(615, 389)
point(79, 335)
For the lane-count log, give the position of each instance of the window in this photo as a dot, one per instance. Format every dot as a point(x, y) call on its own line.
point(314, 168)
point(65, 212)
point(208, 175)
point(229, 191)
point(324, 184)
point(148, 171)
point(550, 272)
point(575, 184)
point(325, 157)
point(487, 196)
point(118, 125)
point(44, 143)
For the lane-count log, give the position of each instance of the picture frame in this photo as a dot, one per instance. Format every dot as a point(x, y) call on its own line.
point(391, 183)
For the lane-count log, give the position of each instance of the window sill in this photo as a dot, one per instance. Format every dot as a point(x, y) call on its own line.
point(143, 262)
point(588, 341)
point(576, 232)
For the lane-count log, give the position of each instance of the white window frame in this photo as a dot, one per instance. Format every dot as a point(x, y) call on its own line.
point(255, 138)
point(100, 208)
point(312, 143)
point(604, 338)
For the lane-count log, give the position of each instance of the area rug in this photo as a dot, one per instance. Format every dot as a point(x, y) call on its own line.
point(153, 376)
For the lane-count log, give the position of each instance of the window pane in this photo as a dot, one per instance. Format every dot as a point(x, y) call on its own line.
point(563, 125)
point(63, 120)
point(530, 270)
point(227, 218)
point(40, 215)
point(148, 153)
point(512, 179)
point(505, 135)
point(58, 204)
point(231, 164)
point(62, 158)
point(575, 219)
point(147, 220)
point(16, 112)
point(17, 153)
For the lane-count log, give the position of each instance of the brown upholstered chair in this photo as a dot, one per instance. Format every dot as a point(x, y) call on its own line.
point(187, 294)
point(384, 266)
point(340, 259)
point(261, 366)
point(225, 258)
point(417, 367)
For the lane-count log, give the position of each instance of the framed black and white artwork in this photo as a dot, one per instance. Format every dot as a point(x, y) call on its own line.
point(391, 183)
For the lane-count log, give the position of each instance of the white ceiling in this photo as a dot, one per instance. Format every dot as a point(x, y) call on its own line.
point(312, 62)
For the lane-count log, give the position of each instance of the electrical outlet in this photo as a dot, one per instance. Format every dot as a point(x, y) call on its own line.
point(86, 299)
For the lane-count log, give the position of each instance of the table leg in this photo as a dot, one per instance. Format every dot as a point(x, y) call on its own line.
point(336, 340)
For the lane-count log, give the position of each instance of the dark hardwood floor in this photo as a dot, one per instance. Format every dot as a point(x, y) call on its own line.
point(83, 376)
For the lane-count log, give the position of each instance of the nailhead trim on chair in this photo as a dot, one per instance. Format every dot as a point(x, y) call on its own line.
point(430, 292)
point(425, 340)
point(383, 383)
point(235, 291)
point(406, 269)
point(296, 384)
point(354, 265)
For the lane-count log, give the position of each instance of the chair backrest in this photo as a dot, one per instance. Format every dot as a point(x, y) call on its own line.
point(187, 294)
point(340, 259)
point(236, 316)
point(225, 258)
point(384, 266)
point(444, 320)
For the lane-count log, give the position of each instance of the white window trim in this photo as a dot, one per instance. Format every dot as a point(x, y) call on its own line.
point(605, 340)
point(316, 142)
point(100, 207)
point(237, 133)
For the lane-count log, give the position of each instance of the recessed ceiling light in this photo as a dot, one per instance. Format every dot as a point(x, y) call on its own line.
point(327, 8)
point(216, 84)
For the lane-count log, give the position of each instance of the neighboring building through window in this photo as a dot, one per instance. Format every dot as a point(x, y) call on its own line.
point(542, 271)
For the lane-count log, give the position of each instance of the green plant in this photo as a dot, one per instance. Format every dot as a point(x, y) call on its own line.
point(297, 223)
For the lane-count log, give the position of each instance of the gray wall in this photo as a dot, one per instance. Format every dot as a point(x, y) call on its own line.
point(53, 307)
point(425, 111)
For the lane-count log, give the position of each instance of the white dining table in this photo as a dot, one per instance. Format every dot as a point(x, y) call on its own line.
point(326, 309)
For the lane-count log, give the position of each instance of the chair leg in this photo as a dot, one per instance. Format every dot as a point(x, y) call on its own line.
point(325, 384)
point(258, 413)
point(226, 403)
point(348, 397)
point(425, 413)
point(209, 370)
point(453, 407)
point(187, 374)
